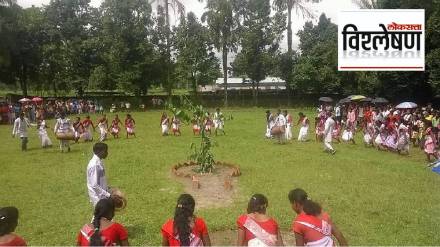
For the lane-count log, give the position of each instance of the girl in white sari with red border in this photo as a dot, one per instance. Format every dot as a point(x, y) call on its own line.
point(312, 226)
point(256, 228)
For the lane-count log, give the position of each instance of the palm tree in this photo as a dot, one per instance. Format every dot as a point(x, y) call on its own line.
point(289, 5)
point(220, 20)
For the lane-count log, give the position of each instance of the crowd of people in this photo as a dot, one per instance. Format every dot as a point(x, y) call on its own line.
point(312, 225)
point(384, 127)
point(206, 123)
point(66, 131)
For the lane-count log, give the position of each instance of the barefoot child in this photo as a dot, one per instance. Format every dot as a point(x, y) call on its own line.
point(42, 133)
point(129, 125)
point(114, 129)
point(164, 123)
point(176, 125)
point(79, 129)
point(303, 131)
point(208, 123)
point(103, 126)
point(219, 121)
point(88, 126)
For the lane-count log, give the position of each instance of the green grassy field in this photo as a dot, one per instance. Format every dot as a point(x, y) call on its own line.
point(376, 198)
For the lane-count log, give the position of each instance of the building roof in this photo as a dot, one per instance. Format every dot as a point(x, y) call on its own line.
point(239, 80)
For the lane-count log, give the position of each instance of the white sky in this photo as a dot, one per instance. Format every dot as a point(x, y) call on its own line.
point(329, 7)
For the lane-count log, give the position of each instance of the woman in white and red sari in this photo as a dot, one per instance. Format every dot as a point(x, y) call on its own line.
point(129, 125)
point(312, 226)
point(164, 123)
point(256, 228)
point(114, 129)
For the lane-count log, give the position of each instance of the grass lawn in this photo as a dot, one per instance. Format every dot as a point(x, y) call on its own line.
point(375, 198)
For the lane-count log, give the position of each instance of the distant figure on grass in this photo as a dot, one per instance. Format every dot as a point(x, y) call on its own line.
point(279, 129)
point(288, 125)
point(196, 125)
point(175, 122)
point(88, 126)
point(270, 122)
point(96, 181)
point(312, 226)
point(348, 133)
point(185, 229)
point(79, 129)
point(328, 130)
point(21, 125)
point(429, 145)
point(103, 127)
point(130, 125)
point(403, 141)
point(164, 123)
point(42, 133)
point(63, 127)
point(114, 129)
point(8, 223)
point(256, 228)
point(103, 231)
point(304, 130)
point(208, 123)
point(219, 122)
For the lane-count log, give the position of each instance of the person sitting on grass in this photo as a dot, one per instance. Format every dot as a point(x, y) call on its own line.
point(256, 228)
point(185, 229)
point(312, 226)
point(103, 231)
point(8, 223)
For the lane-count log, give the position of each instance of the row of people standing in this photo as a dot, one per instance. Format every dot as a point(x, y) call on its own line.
point(208, 122)
point(280, 126)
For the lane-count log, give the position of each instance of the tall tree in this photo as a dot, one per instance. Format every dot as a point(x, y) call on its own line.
point(259, 38)
point(222, 25)
point(196, 61)
point(283, 6)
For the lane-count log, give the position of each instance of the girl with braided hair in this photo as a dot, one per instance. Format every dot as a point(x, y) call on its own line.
point(8, 223)
point(256, 228)
point(103, 231)
point(185, 229)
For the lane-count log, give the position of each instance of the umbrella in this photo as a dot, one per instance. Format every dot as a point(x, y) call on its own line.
point(380, 101)
point(366, 99)
point(326, 99)
point(356, 97)
point(344, 101)
point(23, 100)
point(406, 105)
point(37, 99)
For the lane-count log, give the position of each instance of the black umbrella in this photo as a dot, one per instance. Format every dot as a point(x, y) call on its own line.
point(326, 99)
point(344, 101)
point(380, 101)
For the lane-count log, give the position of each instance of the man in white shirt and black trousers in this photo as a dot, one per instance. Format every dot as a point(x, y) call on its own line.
point(20, 128)
point(96, 180)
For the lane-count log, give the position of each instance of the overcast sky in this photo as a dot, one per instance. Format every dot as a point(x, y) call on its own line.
point(329, 7)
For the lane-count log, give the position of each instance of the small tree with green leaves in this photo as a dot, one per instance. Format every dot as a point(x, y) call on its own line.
point(201, 154)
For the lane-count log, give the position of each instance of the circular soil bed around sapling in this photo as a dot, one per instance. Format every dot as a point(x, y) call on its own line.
point(216, 189)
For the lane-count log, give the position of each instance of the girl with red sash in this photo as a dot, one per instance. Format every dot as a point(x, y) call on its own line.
point(312, 227)
point(8, 223)
point(79, 129)
point(208, 124)
point(129, 125)
point(164, 123)
point(176, 125)
point(115, 127)
point(185, 229)
point(103, 231)
point(87, 123)
point(256, 228)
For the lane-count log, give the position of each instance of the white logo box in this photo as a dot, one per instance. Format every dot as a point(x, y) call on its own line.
point(404, 25)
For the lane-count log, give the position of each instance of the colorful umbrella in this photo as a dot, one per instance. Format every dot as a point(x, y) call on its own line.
point(406, 105)
point(37, 99)
point(380, 101)
point(356, 97)
point(366, 99)
point(23, 100)
point(344, 101)
point(326, 99)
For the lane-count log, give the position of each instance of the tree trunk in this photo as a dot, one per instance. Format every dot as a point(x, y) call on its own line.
point(225, 71)
point(289, 25)
point(167, 23)
point(288, 91)
point(253, 92)
point(23, 80)
point(194, 83)
point(256, 93)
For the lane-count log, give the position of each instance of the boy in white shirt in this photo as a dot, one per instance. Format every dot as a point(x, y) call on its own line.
point(96, 181)
point(20, 128)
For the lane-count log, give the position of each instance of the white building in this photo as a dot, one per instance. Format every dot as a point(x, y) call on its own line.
point(237, 83)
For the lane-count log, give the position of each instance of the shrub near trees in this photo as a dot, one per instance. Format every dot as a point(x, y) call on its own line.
point(68, 45)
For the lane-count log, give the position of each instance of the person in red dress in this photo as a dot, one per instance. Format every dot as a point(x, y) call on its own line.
point(8, 223)
point(114, 128)
point(185, 229)
point(129, 125)
point(79, 129)
point(87, 123)
point(312, 226)
point(103, 231)
point(256, 228)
